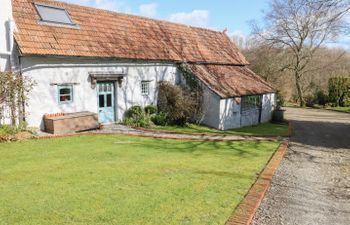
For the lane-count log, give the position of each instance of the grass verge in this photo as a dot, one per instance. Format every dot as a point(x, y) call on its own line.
point(340, 109)
point(264, 129)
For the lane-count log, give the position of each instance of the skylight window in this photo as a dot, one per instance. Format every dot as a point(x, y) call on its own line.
point(53, 14)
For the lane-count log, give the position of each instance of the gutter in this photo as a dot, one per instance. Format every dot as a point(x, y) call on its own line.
point(12, 28)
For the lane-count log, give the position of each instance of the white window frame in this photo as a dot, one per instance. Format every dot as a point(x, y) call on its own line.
point(145, 87)
point(71, 94)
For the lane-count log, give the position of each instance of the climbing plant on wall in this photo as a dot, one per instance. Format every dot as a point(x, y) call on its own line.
point(194, 88)
point(13, 94)
point(190, 78)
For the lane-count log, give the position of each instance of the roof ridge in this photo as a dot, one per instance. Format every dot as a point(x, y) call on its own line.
point(133, 15)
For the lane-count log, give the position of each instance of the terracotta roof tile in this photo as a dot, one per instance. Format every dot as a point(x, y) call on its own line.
point(102, 33)
point(231, 81)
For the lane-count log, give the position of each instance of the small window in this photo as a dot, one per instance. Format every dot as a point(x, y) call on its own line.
point(65, 94)
point(145, 88)
point(250, 102)
point(53, 14)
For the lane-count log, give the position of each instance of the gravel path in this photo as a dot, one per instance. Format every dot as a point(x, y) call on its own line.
point(312, 185)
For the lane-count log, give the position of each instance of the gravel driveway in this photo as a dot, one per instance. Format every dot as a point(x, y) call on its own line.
point(312, 185)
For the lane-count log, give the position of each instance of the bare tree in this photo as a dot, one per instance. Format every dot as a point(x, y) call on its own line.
point(301, 28)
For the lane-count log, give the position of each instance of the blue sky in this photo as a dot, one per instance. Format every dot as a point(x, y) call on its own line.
point(220, 14)
point(214, 14)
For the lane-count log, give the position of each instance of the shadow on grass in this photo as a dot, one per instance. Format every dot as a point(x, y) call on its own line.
point(224, 148)
point(223, 174)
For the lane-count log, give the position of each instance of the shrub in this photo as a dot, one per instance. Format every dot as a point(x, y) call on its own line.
point(309, 100)
point(141, 122)
point(151, 109)
point(160, 119)
point(346, 100)
point(9, 129)
point(10, 132)
point(175, 103)
point(321, 98)
point(280, 100)
point(134, 111)
point(339, 90)
point(136, 117)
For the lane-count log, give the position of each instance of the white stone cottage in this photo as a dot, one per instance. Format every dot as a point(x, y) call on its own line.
point(87, 59)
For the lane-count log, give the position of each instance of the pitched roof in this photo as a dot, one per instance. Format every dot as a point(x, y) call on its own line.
point(231, 81)
point(102, 33)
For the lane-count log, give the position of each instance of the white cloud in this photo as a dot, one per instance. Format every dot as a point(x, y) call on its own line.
point(238, 38)
point(149, 10)
point(197, 17)
point(236, 33)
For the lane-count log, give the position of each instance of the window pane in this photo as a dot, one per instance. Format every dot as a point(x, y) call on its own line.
point(105, 87)
point(100, 87)
point(101, 101)
point(65, 94)
point(53, 14)
point(251, 102)
point(109, 87)
point(65, 91)
point(144, 87)
point(65, 98)
point(109, 100)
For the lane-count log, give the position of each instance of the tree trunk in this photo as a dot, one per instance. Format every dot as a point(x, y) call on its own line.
point(13, 111)
point(299, 89)
point(21, 101)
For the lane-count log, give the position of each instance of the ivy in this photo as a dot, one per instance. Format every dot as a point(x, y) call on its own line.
point(190, 77)
point(194, 89)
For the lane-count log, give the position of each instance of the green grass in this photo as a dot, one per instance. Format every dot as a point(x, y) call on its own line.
point(339, 108)
point(126, 180)
point(264, 129)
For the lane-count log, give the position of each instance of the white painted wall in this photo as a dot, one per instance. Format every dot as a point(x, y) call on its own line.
point(211, 108)
point(230, 113)
point(44, 97)
point(219, 113)
point(5, 42)
point(250, 117)
point(268, 105)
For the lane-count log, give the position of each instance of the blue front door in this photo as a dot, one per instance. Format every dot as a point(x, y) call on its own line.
point(105, 98)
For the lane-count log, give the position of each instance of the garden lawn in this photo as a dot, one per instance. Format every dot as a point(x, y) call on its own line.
point(264, 129)
point(126, 180)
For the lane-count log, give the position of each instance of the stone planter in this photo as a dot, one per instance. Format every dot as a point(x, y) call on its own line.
point(278, 115)
point(65, 123)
